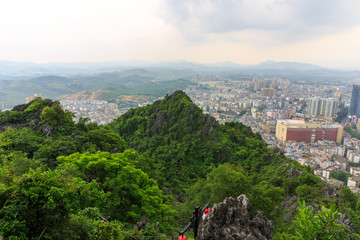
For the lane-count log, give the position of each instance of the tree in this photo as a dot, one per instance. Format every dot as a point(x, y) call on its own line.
point(341, 176)
point(321, 225)
point(132, 193)
point(58, 119)
point(267, 199)
point(25, 140)
point(55, 147)
point(103, 139)
point(42, 202)
point(226, 180)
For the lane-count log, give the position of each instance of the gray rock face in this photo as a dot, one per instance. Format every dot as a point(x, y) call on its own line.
point(293, 173)
point(142, 223)
point(344, 220)
point(330, 191)
point(231, 219)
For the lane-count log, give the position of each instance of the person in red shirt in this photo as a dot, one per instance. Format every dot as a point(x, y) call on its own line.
point(206, 211)
point(182, 237)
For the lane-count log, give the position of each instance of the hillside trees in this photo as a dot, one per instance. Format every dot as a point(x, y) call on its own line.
point(148, 161)
point(42, 201)
point(58, 119)
point(133, 193)
point(188, 149)
point(49, 203)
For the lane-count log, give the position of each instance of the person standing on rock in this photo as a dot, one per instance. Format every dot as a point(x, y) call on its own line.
point(206, 211)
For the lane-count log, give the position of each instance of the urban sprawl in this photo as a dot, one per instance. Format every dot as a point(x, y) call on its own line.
point(303, 121)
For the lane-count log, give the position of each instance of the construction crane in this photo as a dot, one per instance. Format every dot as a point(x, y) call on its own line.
point(3, 105)
point(293, 112)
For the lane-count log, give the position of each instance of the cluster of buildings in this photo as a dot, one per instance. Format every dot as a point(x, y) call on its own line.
point(31, 98)
point(98, 111)
point(258, 84)
point(296, 118)
point(352, 154)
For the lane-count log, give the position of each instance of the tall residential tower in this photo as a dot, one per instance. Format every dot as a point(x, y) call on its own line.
point(327, 107)
point(355, 101)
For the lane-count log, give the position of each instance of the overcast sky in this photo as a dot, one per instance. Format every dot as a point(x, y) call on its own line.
point(323, 32)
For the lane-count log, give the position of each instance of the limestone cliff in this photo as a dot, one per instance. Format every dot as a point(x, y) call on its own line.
point(232, 219)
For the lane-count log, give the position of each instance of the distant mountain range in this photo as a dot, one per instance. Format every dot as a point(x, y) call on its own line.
point(16, 70)
point(22, 79)
point(107, 85)
point(288, 65)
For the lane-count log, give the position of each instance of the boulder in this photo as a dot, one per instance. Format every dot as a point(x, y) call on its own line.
point(293, 173)
point(142, 223)
point(232, 219)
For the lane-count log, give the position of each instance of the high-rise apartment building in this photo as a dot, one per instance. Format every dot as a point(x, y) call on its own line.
point(327, 107)
point(355, 101)
point(268, 92)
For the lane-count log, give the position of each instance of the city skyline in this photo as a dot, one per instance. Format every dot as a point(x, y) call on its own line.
point(325, 33)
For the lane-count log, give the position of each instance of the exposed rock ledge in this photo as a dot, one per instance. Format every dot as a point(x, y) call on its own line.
point(231, 219)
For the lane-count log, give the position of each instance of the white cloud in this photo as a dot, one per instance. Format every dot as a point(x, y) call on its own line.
point(81, 30)
point(243, 31)
point(286, 20)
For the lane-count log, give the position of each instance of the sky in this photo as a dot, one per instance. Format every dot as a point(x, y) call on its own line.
point(322, 32)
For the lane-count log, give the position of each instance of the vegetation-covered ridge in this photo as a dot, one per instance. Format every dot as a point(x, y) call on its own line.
point(157, 161)
point(55, 184)
point(197, 159)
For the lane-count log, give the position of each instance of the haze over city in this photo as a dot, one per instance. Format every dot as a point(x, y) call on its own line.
point(322, 32)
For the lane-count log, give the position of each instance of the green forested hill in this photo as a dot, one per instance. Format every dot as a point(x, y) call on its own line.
point(197, 159)
point(58, 177)
point(183, 142)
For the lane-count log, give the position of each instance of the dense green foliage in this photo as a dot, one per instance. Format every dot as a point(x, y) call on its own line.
point(44, 195)
point(18, 117)
point(57, 119)
point(341, 176)
point(320, 225)
point(58, 177)
point(179, 138)
point(132, 193)
point(352, 132)
point(198, 160)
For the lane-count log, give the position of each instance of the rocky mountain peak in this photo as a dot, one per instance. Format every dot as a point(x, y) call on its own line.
point(232, 219)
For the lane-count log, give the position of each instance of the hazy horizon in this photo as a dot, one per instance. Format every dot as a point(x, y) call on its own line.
point(324, 33)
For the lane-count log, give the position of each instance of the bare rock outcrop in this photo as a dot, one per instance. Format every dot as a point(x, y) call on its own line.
point(293, 173)
point(142, 223)
point(231, 219)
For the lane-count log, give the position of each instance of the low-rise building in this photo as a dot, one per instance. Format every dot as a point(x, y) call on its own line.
point(299, 130)
point(355, 171)
point(353, 182)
